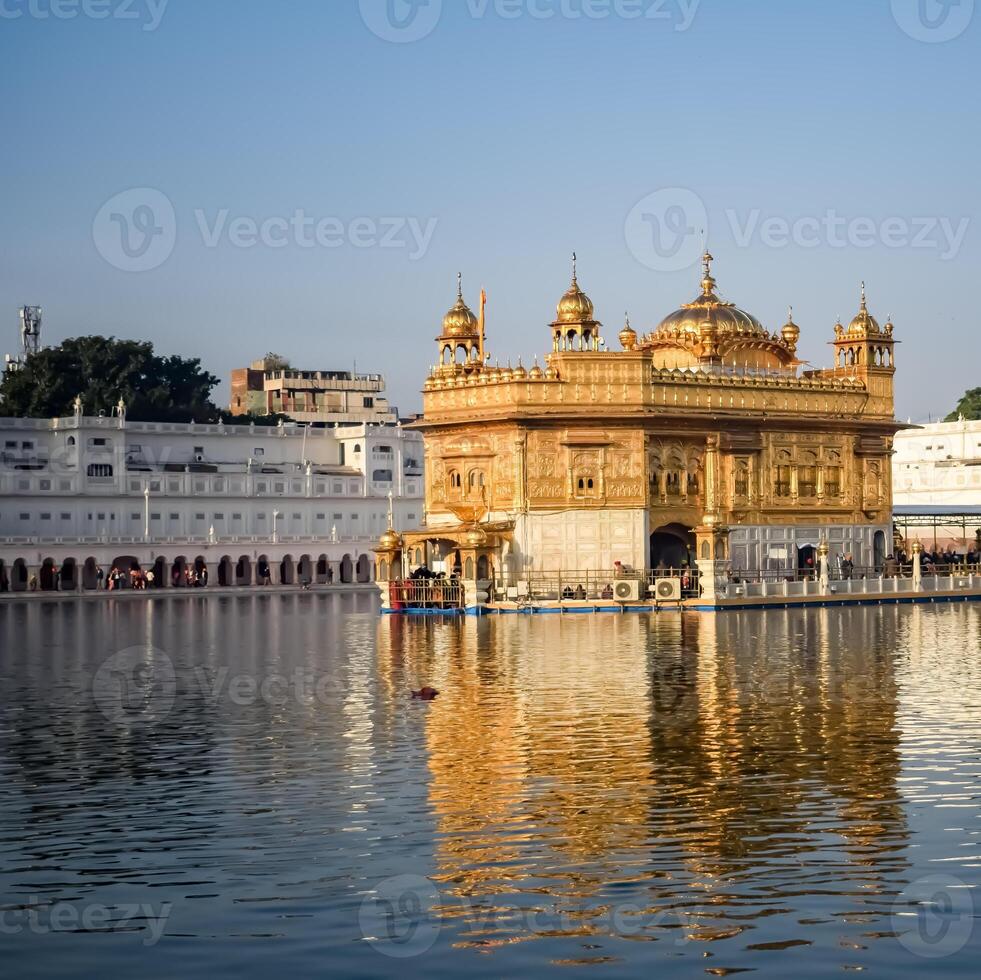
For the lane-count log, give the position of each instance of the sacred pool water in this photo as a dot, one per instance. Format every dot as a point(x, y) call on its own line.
point(237, 786)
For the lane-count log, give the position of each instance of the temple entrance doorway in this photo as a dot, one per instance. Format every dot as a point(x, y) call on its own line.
point(672, 547)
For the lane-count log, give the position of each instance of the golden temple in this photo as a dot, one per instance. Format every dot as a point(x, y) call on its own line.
point(705, 441)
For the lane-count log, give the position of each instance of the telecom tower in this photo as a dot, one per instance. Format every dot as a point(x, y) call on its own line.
point(30, 330)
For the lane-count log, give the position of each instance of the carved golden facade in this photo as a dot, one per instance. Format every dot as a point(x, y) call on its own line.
point(708, 427)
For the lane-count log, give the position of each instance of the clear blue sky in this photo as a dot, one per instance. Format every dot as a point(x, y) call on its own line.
point(524, 138)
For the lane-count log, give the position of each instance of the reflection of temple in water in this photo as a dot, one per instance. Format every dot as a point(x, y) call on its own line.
point(667, 753)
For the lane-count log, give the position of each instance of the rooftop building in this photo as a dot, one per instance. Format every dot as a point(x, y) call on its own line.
point(330, 398)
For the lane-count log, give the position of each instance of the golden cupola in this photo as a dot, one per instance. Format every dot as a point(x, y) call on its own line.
point(791, 333)
point(865, 345)
point(628, 336)
point(708, 332)
point(460, 320)
point(461, 343)
point(575, 327)
point(864, 324)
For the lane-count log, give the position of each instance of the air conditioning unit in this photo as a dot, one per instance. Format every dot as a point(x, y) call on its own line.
point(627, 590)
point(667, 590)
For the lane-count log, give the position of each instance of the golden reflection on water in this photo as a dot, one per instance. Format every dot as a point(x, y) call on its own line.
point(721, 768)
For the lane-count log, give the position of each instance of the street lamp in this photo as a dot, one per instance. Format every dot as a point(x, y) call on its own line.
point(275, 519)
point(146, 512)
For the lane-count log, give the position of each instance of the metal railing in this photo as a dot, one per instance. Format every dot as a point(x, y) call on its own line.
point(591, 585)
point(857, 573)
point(426, 594)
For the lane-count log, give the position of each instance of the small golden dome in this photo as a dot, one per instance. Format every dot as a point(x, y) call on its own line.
point(551, 373)
point(863, 324)
point(628, 336)
point(476, 537)
point(791, 332)
point(519, 373)
point(575, 306)
point(460, 321)
point(536, 373)
point(391, 540)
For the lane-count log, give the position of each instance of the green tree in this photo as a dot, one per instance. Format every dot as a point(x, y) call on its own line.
point(102, 370)
point(969, 406)
point(250, 418)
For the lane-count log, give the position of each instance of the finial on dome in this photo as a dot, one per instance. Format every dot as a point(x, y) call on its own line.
point(864, 303)
point(708, 282)
point(459, 285)
point(575, 263)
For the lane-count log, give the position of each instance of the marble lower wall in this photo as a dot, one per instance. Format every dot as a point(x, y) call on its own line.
point(581, 540)
point(777, 547)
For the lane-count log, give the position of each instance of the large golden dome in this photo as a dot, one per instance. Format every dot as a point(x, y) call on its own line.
point(575, 306)
point(460, 321)
point(726, 318)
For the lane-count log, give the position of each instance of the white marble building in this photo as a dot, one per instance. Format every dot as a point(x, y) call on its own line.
point(938, 465)
point(80, 493)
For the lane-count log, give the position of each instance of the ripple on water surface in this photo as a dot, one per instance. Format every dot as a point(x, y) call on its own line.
point(228, 785)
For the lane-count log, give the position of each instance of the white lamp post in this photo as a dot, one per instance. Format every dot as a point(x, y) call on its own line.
point(275, 519)
point(146, 512)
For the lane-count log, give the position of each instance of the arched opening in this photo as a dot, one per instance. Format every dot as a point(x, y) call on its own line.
point(879, 550)
point(305, 570)
point(347, 570)
point(160, 573)
point(178, 573)
point(263, 570)
point(673, 548)
point(483, 568)
point(200, 573)
point(4, 577)
point(807, 559)
point(69, 575)
point(287, 571)
point(383, 570)
point(468, 569)
point(226, 572)
point(322, 567)
point(364, 570)
point(125, 567)
point(90, 575)
point(19, 578)
point(49, 576)
point(243, 571)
